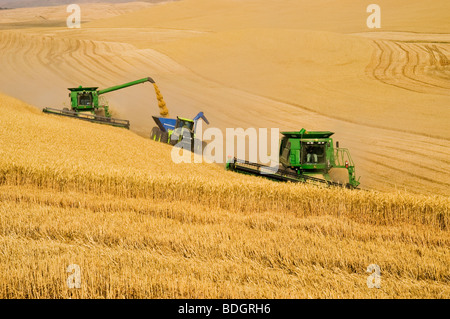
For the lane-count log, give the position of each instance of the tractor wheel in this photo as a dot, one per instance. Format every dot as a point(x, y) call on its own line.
point(291, 171)
point(198, 147)
point(164, 137)
point(173, 142)
point(174, 138)
point(155, 134)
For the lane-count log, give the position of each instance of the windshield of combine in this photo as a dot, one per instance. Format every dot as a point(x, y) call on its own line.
point(313, 152)
point(85, 99)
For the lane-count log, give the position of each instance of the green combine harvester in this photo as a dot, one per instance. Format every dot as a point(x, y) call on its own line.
point(305, 157)
point(85, 104)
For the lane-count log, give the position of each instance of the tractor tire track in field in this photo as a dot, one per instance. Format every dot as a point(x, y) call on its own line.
point(422, 67)
point(398, 169)
point(83, 57)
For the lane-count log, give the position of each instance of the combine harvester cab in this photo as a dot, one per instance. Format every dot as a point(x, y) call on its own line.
point(174, 131)
point(306, 157)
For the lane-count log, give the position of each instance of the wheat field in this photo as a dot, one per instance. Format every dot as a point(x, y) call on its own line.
point(140, 226)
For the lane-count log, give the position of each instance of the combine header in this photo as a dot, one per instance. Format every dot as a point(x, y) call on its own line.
point(85, 104)
point(306, 157)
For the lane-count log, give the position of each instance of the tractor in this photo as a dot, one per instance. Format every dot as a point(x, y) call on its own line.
point(179, 131)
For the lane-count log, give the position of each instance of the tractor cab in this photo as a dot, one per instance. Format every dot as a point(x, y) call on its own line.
point(184, 131)
point(183, 123)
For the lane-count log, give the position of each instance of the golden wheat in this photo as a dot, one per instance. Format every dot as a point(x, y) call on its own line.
point(140, 226)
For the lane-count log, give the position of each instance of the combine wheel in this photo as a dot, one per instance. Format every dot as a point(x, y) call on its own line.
point(291, 171)
point(285, 171)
